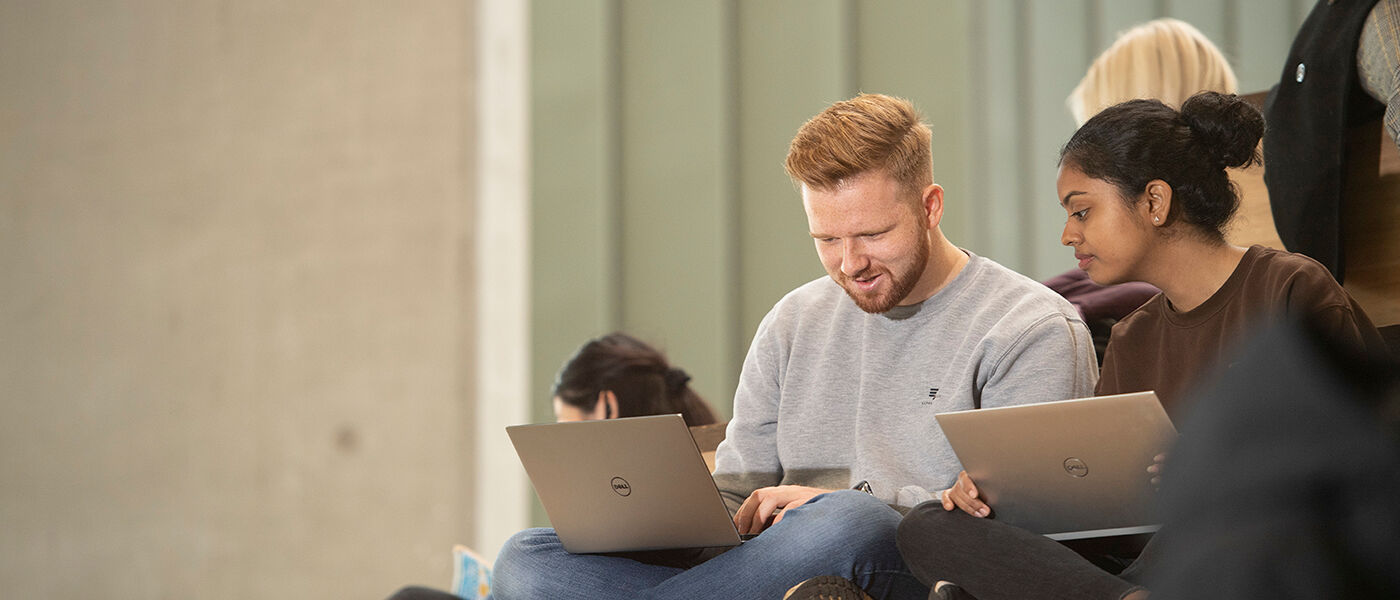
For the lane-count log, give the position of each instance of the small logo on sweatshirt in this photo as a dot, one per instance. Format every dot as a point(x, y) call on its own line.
point(932, 395)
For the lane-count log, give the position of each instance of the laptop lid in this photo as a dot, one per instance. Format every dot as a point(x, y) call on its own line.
point(1070, 469)
point(616, 485)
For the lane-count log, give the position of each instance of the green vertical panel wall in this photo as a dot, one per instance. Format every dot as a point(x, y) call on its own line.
point(1264, 30)
point(678, 234)
point(573, 186)
point(918, 50)
point(998, 121)
point(1058, 53)
point(788, 69)
point(1209, 16)
point(1112, 17)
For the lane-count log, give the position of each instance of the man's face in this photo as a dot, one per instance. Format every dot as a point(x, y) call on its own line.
point(872, 237)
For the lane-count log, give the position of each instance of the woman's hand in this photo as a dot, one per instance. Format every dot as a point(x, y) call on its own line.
point(963, 495)
point(1155, 469)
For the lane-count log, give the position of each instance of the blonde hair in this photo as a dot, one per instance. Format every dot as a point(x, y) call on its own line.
point(1165, 59)
point(866, 133)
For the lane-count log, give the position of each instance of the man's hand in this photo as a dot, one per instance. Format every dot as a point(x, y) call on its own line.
point(963, 495)
point(765, 506)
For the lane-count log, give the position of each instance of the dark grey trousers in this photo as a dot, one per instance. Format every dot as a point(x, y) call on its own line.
point(992, 560)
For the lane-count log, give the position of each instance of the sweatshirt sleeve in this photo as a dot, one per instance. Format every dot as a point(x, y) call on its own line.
point(748, 459)
point(1051, 360)
point(1349, 325)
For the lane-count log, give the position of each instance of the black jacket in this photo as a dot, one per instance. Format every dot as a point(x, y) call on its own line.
point(1318, 97)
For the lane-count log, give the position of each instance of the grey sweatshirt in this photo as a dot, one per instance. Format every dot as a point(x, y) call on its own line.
point(831, 395)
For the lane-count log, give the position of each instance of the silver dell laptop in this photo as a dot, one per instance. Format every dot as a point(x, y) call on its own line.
point(616, 485)
point(1068, 470)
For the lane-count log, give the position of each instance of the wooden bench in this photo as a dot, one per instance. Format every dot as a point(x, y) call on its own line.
point(707, 439)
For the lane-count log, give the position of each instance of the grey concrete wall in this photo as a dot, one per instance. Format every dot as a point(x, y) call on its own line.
point(235, 321)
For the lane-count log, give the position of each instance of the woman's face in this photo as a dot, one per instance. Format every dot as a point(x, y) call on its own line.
point(1111, 239)
point(565, 412)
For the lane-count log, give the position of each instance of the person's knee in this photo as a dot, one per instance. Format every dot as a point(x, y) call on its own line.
point(525, 544)
point(518, 564)
point(855, 520)
point(849, 504)
point(926, 522)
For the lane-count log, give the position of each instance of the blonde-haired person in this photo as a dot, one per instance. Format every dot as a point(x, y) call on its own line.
point(1164, 59)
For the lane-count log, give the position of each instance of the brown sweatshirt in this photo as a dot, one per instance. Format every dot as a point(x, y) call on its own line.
point(1160, 348)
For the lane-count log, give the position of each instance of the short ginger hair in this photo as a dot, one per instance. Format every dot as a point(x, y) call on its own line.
point(1163, 59)
point(871, 132)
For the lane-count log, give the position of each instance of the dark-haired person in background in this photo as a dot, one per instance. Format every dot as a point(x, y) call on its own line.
point(609, 377)
point(1147, 196)
point(618, 375)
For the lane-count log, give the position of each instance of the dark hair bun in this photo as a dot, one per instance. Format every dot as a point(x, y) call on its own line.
point(1226, 128)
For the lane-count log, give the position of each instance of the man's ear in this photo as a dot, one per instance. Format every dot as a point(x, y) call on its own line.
point(932, 204)
point(1158, 201)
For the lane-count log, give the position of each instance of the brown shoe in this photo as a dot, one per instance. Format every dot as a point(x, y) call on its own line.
point(827, 587)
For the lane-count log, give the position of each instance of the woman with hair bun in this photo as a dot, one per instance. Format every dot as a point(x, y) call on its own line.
point(1147, 198)
point(618, 375)
point(1165, 59)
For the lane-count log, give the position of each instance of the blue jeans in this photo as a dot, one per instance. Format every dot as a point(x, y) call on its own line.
point(846, 533)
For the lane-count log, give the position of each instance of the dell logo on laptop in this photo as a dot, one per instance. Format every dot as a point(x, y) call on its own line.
point(621, 487)
point(1076, 467)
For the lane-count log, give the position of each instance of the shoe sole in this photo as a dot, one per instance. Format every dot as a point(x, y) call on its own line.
point(827, 587)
